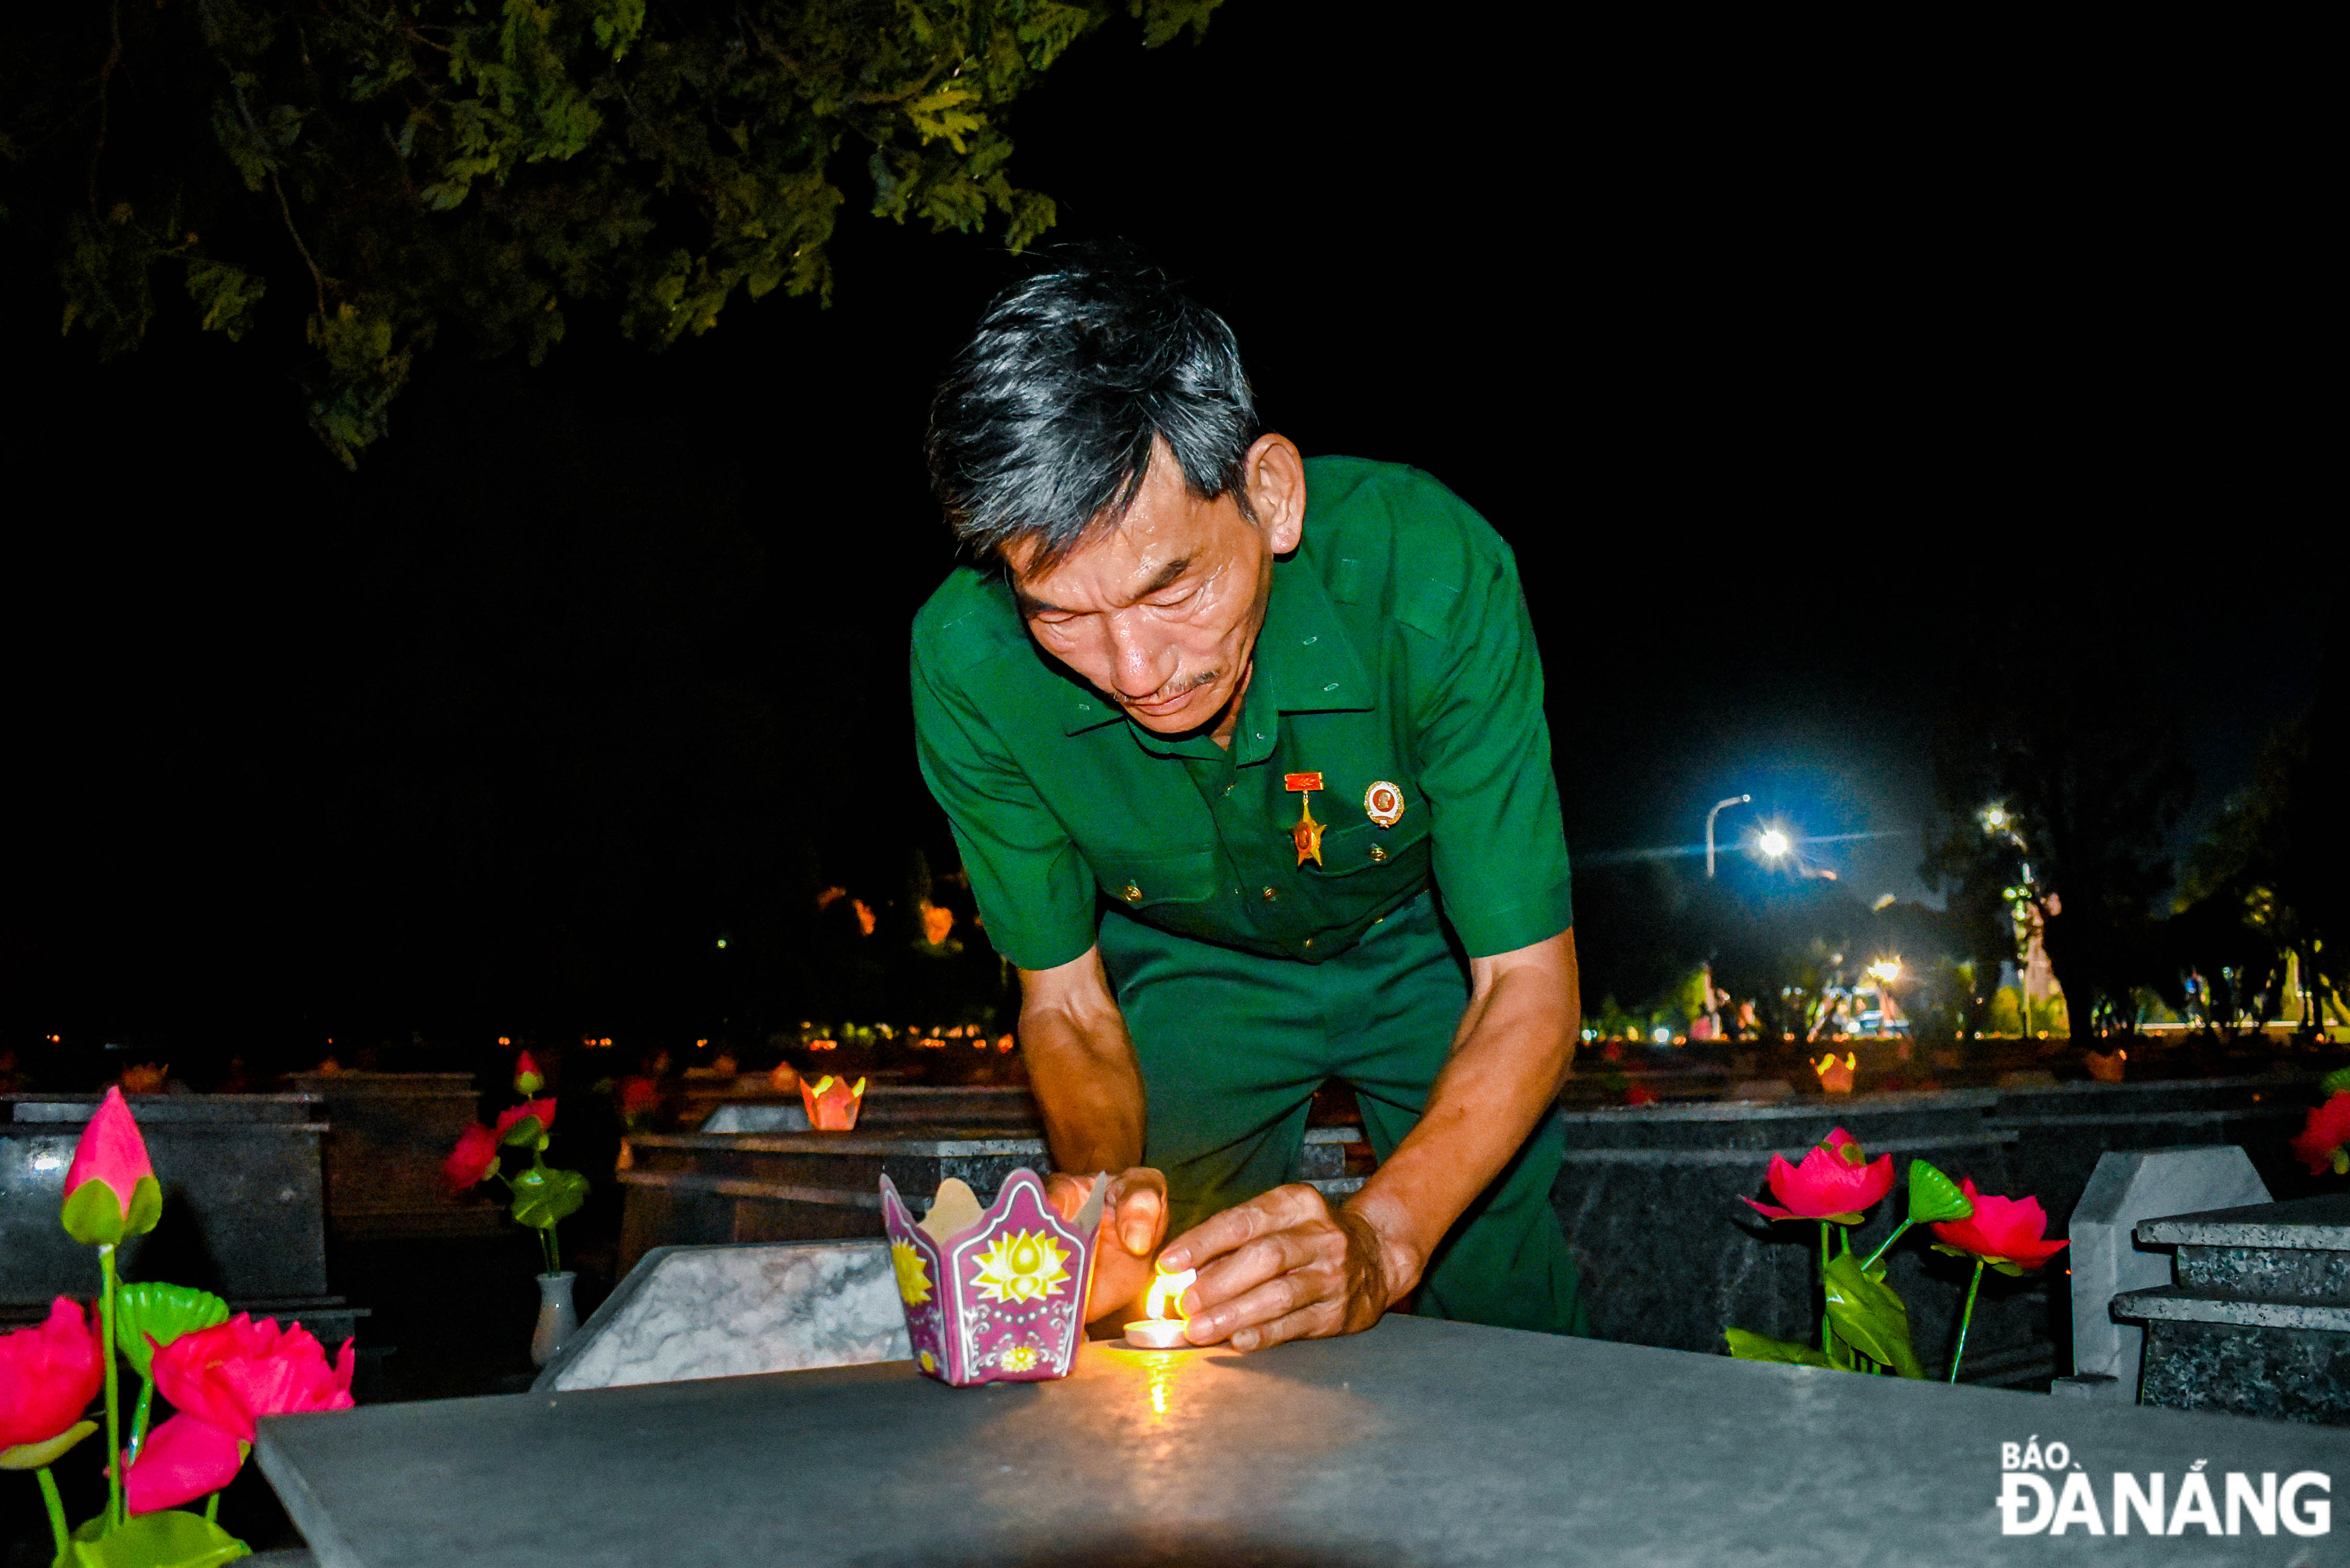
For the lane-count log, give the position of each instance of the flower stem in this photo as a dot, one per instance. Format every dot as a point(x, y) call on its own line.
point(114, 1515)
point(138, 1417)
point(553, 1253)
point(1828, 1331)
point(56, 1507)
point(1965, 1319)
point(211, 1509)
point(1886, 1245)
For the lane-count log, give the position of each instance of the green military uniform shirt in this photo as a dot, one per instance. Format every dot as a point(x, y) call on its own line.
point(1395, 651)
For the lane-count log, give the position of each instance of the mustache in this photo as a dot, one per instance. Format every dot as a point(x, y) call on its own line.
point(1164, 695)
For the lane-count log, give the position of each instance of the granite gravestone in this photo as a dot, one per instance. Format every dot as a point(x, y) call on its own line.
point(1649, 1199)
point(2106, 1261)
point(2258, 1321)
point(243, 1205)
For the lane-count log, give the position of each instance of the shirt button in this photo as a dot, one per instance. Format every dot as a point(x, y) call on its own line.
point(1309, 941)
point(1379, 852)
point(1228, 788)
point(1270, 895)
point(1133, 894)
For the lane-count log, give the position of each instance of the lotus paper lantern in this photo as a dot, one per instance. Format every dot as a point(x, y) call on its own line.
point(995, 1295)
point(832, 1103)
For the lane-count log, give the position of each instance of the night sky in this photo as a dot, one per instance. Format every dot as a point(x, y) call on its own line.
point(1793, 385)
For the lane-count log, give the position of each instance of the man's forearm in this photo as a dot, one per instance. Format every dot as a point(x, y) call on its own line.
point(1082, 1068)
point(1511, 1057)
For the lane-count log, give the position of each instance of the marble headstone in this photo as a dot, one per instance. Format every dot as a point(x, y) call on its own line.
point(728, 1311)
point(2126, 1188)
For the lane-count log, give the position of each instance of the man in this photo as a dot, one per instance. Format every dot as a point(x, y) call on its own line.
point(1246, 758)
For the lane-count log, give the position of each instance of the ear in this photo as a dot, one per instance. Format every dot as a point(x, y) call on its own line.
point(1277, 490)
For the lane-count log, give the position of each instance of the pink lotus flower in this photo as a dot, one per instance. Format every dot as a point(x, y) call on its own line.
point(475, 1156)
point(184, 1459)
point(2008, 1233)
point(112, 1159)
point(1835, 1182)
point(527, 1079)
point(2320, 1143)
point(512, 1115)
point(49, 1374)
point(231, 1376)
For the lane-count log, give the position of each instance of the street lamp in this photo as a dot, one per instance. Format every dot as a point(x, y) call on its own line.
point(1733, 799)
point(1773, 842)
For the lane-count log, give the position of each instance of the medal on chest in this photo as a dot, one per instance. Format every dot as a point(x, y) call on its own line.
point(1306, 833)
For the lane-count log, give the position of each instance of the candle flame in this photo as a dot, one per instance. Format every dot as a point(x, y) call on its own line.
point(1167, 1291)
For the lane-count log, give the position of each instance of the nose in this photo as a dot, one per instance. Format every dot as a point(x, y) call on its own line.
point(1139, 663)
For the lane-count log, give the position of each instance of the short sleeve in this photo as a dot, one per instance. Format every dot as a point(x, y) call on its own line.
point(1031, 884)
point(1485, 762)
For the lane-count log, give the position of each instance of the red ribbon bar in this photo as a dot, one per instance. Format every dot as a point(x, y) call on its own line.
point(1295, 783)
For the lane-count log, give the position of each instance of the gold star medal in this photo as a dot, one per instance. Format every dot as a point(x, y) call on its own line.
point(1306, 834)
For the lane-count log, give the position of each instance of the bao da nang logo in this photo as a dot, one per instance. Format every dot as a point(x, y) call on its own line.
point(2047, 1491)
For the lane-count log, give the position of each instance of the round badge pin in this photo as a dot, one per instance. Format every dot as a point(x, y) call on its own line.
point(1383, 803)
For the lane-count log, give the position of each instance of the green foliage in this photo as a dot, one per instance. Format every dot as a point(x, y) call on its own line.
point(151, 1314)
point(543, 1195)
point(1934, 1197)
point(1868, 1316)
point(452, 164)
point(1747, 1346)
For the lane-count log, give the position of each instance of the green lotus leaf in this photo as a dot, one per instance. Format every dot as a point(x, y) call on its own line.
point(1746, 1346)
point(1934, 1197)
point(152, 1309)
point(1868, 1314)
point(170, 1538)
point(543, 1195)
point(525, 1131)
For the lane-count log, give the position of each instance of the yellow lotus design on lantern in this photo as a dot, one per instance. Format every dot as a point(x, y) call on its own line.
point(1020, 1358)
point(914, 1273)
point(1022, 1266)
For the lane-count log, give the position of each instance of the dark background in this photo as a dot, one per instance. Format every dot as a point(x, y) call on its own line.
point(1799, 367)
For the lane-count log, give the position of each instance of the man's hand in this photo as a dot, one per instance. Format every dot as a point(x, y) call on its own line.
point(1133, 1220)
point(1286, 1266)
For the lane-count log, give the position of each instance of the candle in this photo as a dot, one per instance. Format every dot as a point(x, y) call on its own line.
point(1159, 1331)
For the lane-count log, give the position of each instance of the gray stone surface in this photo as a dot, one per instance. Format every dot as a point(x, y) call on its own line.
point(1649, 1197)
point(2106, 1261)
point(2320, 1222)
point(1417, 1444)
point(776, 1116)
point(1005, 1106)
point(724, 1312)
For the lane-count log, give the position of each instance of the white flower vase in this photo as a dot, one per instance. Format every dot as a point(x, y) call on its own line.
point(557, 1321)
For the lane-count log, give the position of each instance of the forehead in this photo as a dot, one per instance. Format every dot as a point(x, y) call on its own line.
point(1169, 533)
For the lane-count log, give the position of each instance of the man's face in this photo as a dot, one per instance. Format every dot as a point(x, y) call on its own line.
point(1161, 612)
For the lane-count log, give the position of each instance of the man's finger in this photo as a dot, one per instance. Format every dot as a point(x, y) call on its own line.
point(1220, 1233)
point(1262, 1264)
point(1319, 1320)
point(1138, 1206)
point(1298, 1291)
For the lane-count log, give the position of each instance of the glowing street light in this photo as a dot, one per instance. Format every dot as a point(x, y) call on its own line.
point(1773, 842)
point(1733, 799)
point(1885, 971)
point(1994, 818)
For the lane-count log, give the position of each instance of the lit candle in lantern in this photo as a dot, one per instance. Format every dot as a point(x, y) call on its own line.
point(1159, 1331)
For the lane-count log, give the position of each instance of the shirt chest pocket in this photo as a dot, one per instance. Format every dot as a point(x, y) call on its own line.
point(1368, 855)
point(1141, 881)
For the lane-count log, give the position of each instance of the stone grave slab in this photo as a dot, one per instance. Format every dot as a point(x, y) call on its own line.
point(2106, 1261)
point(2258, 1321)
point(724, 1312)
point(1419, 1443)
point(387, 1134)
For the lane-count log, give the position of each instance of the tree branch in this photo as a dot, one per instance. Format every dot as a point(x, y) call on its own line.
point(317, 278)
point(105, 76)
